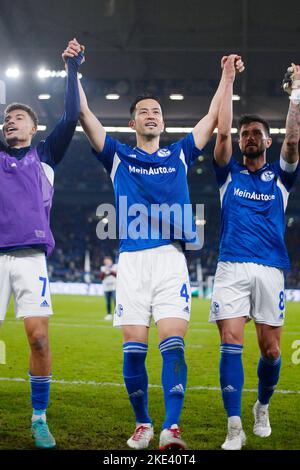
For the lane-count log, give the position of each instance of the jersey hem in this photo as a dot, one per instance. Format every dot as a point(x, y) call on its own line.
point(253, 260)
point(168, 242)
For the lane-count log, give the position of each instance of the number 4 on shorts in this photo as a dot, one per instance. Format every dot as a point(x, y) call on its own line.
point(184, 292)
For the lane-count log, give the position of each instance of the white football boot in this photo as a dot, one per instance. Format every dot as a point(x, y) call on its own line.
point(141, 437)
point(171, 439)
point(236, 437)
point(262, 427)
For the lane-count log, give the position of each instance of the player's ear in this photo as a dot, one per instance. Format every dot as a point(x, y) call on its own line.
point(268, 142)
point(132, 124)
point(33, 131)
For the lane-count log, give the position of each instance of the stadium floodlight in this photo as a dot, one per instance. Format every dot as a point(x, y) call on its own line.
point(112, 96)
point(13, 72)
point(236, 97)
point(179, 130)
point(43, 73)
point(41, 127)
point(46, 73)
point(119, 129)
point(44, 96)
point(175, 130)
point(176, 97)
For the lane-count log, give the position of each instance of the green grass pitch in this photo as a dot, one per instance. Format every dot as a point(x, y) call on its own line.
point(97, 415)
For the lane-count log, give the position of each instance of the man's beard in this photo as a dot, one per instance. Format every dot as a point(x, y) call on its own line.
point(253, 154)
point(151, 136)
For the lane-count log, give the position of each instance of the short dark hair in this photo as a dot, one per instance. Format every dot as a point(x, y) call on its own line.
point(24, 107)
point(144, 96)
point(248, 118)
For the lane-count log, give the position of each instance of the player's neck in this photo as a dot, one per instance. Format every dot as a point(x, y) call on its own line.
point(254, 164)
point(149, 146)
point(19, 144)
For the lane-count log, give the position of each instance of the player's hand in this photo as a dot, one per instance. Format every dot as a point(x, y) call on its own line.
point(74, 49)
point(291, 80)
point(231, 65)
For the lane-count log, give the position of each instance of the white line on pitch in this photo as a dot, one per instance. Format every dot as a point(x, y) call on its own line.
point(113, 384)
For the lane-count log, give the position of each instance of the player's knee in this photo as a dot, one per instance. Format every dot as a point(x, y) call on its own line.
point(272, 352)
point(39, 341)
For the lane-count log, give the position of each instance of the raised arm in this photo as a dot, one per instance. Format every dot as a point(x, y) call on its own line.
point(91, 125)
point(223, 147)
point(290, 146)
point(53, 149)
point(202, 132)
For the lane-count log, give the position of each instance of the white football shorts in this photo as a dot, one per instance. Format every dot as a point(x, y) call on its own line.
point(23, 273)
point(152, 282)
point(248, 290)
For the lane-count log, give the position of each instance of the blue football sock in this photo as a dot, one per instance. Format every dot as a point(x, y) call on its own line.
point(136, 379)
point(268, 374)
point(40, 391)
point(231, 378)
point(174, 378)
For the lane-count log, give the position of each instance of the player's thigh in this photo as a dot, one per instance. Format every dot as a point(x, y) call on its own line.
point(171, 286)
point(268, 296)
point(133, 293)
point(30, 284)
point(231, 292)
point(5, 284)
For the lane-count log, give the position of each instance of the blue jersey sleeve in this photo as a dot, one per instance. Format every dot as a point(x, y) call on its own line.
point(53, 149)
point(106, 157)
point(288, 178)
point(191, 152)
point(222, 172)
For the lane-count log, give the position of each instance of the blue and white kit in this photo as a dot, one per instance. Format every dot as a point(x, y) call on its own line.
point(249, 279)
point(154, 186)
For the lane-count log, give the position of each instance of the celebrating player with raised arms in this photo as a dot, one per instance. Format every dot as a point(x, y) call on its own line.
point(26, 190)
point(249, 281)
point(152, 275)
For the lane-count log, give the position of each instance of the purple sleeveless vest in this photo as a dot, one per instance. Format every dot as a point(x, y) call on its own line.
point(25, 202)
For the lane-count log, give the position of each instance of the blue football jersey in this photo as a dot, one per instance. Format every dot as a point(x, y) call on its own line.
point(151, 191)
point(253, 213)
